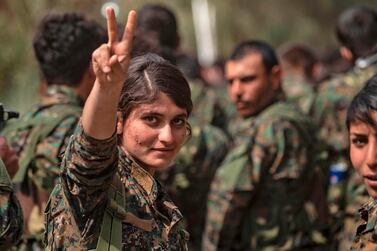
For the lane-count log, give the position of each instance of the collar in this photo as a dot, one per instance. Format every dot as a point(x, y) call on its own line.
point(141, 176)
point(61, 94)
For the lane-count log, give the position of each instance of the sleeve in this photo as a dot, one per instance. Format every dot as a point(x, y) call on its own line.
point(49, 154)
point(88, 168)
point(272, 152)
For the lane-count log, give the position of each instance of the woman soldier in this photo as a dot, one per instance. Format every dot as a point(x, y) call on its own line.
point(107, 198)
point(362, 127)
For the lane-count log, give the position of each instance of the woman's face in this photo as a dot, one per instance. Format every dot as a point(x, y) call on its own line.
point(154, 133)
point(363, 153)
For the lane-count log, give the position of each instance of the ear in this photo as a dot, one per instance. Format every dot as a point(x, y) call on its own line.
point(346, 54)
point(119, 123)
point(275, 77)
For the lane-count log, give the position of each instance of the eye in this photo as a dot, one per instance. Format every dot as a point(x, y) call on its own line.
point(179, 122)
point(150, 119)
point(230, 81)
point(248, 79)
point(359, 141)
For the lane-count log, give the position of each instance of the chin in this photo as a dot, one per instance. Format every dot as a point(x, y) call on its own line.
point(372, 193)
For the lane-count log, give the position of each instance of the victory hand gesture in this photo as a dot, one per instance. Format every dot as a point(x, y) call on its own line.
point(110, 64)
point(111, 60)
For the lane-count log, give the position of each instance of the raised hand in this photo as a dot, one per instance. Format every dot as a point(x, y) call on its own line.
point(111, 60)
point(110, 65)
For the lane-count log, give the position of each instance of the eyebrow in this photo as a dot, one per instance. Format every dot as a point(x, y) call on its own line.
point(357, 134)
point(244, 78)
point(160, 114)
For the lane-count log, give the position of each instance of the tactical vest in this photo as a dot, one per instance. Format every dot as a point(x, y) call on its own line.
point(238, 162)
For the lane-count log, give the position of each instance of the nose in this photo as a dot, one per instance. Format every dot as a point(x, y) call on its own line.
point(166, 134)
point(236, 89)
point(371, 158)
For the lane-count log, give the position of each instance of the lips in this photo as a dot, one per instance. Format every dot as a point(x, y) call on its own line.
point(241, 105)
point(371, 181)
point(163, 149)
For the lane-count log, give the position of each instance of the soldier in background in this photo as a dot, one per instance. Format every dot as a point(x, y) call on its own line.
point(299, 64)
point(11, 220)
point(361, 123)
point(268, 194)
point(188, 181)
point(356, 30)
point(63, 45)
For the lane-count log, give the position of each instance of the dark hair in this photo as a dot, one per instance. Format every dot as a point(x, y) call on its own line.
point(160, 20)
point(356, 29)
point(148, 76)
point(148, 42)
point(299, 55)
point(363, 103)
point(245, 48)
point(63, 45)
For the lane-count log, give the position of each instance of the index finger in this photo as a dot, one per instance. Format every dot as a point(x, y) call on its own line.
point(112, 28)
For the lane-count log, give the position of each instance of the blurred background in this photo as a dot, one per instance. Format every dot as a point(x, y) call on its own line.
point(208, 28)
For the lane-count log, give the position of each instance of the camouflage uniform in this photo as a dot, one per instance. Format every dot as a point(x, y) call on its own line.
point(366, 237)
point(266, 195)
point(39, 138)
point(209, 107)
point(347, 193)
point(299, 91)
point(78, 203)
point(11, 220)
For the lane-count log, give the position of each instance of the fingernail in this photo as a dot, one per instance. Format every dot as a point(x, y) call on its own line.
point(106, 69)
point(121, 58)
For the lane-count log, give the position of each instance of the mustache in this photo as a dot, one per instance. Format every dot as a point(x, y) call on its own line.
point(239, 99)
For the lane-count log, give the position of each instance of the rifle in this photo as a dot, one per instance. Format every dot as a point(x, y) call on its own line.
point(6, 115)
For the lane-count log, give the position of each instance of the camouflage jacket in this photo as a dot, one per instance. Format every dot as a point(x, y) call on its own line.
point(330, 106)
point(78, 203)
point(329, 111)
point(299, 91)
point(209, 108)
point(366, 231)
point(43, 161)
point(189, 179)
point(11, 220)
point(262, 196)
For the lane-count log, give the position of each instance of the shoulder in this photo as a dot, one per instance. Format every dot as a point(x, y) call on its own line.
point(281, 116)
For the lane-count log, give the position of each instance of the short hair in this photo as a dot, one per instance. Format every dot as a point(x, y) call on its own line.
point(363, 103)
point(148, 76)
point(299, 55)
point(245, 48)
point(161, 20)
point(63, 46)
point(356, 29)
